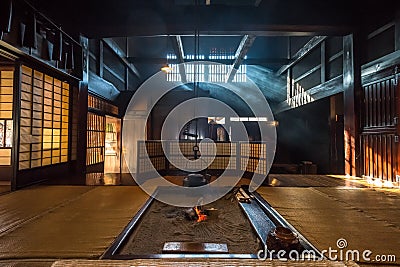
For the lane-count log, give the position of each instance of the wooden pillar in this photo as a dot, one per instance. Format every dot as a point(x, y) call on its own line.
point(100, 59)
point(352, 95)
point(83, 108)
point(16, 126)
point(126, 67)
point(396, 178)
point(397, 31)
point(82, 126)
point(323, 62)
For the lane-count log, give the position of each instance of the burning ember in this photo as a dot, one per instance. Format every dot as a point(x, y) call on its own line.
point(200, 215)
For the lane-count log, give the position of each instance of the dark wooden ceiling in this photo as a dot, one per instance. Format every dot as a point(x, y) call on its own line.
point(143, 29)
point(262, 17)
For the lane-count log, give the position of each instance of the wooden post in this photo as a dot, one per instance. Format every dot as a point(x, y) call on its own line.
point(396, 177)
point(83, 108)
point(397, 31)
point(100, 59)
point(16, 126)
point(82, 127)
point(323, 62)
point(352, 95)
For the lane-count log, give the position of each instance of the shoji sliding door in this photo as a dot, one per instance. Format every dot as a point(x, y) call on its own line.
point(6, 122)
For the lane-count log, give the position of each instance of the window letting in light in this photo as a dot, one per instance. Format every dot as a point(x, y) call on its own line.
point(51, 138)
point(44, 122)
point(235, 119)
point(206, 72)
point(6, 115)
point(194, 72)
point(6, 133)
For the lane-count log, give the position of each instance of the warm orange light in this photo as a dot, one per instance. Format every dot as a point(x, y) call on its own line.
point(166, 69)
point(201, 217)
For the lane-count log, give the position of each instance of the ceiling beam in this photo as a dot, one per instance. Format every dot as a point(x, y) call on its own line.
point(121, 54)
point(180, 53)
point(320, 91)
point(225, 20)
point(241, 52)
point(238, 30)
point(248, 61)
point(240, 33)
point(307, 48)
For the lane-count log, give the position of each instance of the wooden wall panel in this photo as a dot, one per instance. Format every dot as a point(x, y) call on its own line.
point(379, 141)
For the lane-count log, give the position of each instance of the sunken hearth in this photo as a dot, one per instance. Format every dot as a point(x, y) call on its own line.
point(164, 224)
point(239, 225)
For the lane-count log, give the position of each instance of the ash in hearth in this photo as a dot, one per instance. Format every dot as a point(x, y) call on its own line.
point(163, 223)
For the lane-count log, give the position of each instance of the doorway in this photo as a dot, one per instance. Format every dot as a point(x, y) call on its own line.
point(112, 153)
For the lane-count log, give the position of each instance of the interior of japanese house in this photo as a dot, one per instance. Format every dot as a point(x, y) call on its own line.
point(199, 133)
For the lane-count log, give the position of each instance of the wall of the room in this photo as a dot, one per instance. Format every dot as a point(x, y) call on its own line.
point(378, 95)
point(304, 135)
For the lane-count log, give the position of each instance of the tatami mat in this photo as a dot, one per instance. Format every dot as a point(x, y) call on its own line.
point(24, 205)
point(83, 226)
point(311, 180)
point(5, 189)
point(39, 225)
point(325, 215)
point(27, 263)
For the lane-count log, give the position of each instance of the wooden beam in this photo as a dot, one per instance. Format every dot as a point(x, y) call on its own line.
point(16, 127)
point(248, 61)
point(6, 54)
point(121, 54)
point(180, 53)
point(380, 68)
point(397, 31)
point(241, 52)
point(323, 62)
point(102, 87)
point(257, 3)
point(100, 56)
point(308, 73)
point(82, 126)
point(289, 84)
point(352, 95)
point(237, 20)
point(113, 73)
point(380, 30)
point(307, 48)
point(324, 90)
point(335, 56)
point(86, 58)
point(126, 67)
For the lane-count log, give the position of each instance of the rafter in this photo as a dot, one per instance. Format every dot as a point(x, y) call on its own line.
point(243, 48)
point(307, 48)
point(180, 53)
point(121, 54)
point(248, 61)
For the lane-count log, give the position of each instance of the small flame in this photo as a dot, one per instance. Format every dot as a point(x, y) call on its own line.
point(201, 217)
